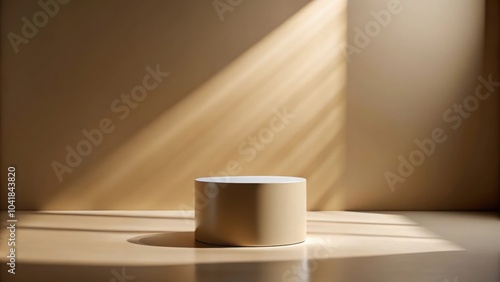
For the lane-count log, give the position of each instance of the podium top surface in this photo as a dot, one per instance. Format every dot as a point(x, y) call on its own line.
point(251, 179)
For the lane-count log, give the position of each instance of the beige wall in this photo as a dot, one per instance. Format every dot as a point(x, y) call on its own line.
point(400, 85)
point(228, 78)
point(270, 69)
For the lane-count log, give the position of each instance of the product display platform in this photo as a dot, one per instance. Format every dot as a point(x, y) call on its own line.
point(248, 211)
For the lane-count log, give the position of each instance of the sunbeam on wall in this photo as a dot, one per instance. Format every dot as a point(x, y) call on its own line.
point(278, 109)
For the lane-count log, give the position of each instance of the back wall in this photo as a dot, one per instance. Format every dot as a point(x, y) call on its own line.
point(120, 104)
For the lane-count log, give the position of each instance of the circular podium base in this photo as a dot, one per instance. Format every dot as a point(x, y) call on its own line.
point(250, 210)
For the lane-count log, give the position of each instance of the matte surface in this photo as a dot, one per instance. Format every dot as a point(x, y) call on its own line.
point(227, 78)
point(340, 246)
point(250, 210)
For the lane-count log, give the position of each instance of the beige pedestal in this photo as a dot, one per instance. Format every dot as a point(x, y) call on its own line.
point(250, 210)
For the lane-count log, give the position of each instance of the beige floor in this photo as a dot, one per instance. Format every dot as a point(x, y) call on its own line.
point(340, 246)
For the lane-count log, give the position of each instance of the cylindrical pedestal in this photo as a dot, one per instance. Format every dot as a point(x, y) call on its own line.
point(250, 210)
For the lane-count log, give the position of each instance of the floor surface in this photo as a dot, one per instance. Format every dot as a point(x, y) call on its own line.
point(138, 246)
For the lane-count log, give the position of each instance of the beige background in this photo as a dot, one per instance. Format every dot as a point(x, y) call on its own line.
point(427, 59)
point(351, 120)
